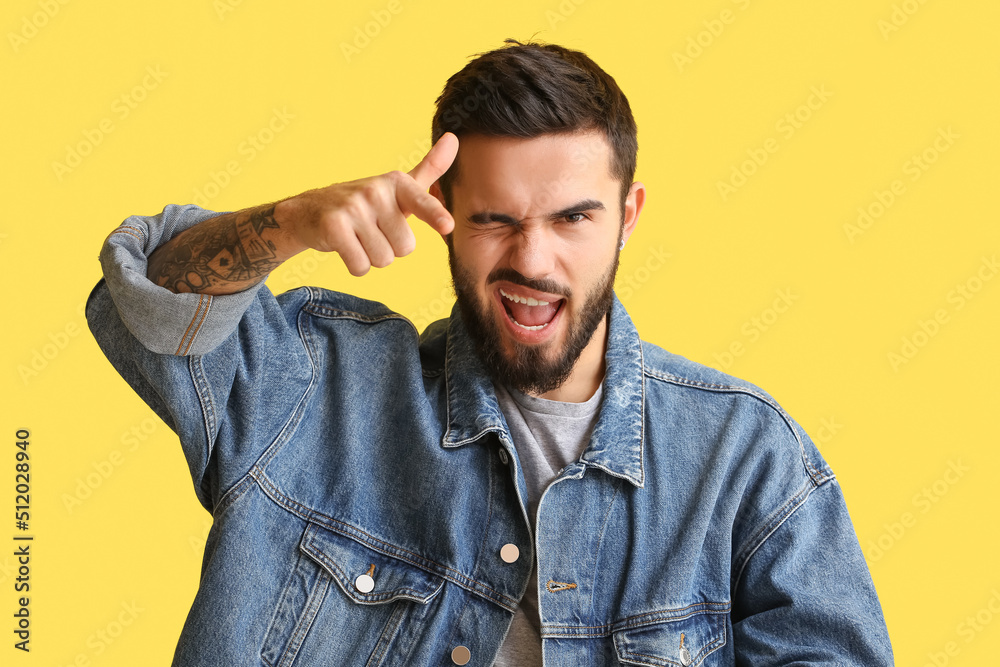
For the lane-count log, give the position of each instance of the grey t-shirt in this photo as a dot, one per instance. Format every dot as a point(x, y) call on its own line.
point(548, 436)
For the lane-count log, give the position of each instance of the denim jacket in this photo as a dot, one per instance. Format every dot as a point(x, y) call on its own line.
point(363, 483)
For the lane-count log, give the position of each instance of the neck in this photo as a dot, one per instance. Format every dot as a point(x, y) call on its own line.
point(588, 372)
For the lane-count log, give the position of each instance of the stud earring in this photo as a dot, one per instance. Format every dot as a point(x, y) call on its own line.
point(621, 246)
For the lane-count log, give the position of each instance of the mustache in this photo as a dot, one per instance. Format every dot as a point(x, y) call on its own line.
point(542, 285)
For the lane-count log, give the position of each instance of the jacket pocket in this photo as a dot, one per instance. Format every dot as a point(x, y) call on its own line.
point(352, 621)
point(685, 642)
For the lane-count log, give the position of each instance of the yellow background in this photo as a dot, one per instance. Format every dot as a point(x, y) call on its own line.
point(118, 532)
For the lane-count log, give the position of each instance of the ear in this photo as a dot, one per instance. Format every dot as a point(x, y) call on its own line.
point(633, 207)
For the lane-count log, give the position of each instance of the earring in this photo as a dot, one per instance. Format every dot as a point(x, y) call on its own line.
point(621, 246)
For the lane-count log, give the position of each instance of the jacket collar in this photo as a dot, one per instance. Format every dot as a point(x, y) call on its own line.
point(616, 444)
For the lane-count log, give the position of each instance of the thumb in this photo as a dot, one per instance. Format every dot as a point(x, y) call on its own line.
point(437, 161)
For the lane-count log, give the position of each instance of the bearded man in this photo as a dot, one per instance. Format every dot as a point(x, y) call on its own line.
point(523, 483)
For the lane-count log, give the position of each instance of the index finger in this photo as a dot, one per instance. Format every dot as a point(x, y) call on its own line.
point(436, 162)
point(413, 199)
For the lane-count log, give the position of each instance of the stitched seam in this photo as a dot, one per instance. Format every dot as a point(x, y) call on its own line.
point(798, 500)
point(273, 624)
point(720, 641)
point(614, 473)
point(203, 390)
point(446, 439)
point(315, 601)
point(773, 519)
point(197, 310)
point(380, 546)
point(130, 232)
point(286, 432)
point(711, 386)
point(642, 423)
point(329, 313)
point(600, 541)
point(695, 660)
point(771, 522)
point(489, 516)
point(407, 592)
point(204, 316)
point(388, 634)
point(637, 658)
point(230, 498)
point(285, 435)
point(456, 625)
point(816, 475)
point(640, 620)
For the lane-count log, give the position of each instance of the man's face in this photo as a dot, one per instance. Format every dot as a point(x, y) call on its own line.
point(534, 252)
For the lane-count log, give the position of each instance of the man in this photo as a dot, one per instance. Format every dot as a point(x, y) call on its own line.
point(524, 479)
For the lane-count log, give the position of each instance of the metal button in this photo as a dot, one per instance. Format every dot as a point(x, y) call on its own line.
point(685, 656)
point(461, 655)
point(503, 456)
point(364, 583)
point(509, 553)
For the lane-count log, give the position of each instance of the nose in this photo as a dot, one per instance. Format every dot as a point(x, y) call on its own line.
point(532, 253)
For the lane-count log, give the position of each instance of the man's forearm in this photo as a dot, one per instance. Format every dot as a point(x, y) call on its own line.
point(225, 254)
point(364, 221)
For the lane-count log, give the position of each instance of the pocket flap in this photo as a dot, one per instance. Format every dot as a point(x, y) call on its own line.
point(682, 643)
point(349, 562)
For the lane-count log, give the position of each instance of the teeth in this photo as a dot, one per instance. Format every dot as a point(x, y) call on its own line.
point(528, 301)
point(540, 326)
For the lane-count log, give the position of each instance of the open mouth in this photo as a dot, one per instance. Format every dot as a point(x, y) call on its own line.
point(527, 312)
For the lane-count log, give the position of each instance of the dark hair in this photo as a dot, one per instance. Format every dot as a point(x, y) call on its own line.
point(527, 90)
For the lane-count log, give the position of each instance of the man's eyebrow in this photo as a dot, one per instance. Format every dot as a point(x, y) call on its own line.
point(579, 207)
point(486, 217)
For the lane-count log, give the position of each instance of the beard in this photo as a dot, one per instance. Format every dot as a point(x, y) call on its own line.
point(528, 368)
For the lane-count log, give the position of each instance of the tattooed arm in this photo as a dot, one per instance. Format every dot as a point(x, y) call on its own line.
point(364, 221)
point(225, 254)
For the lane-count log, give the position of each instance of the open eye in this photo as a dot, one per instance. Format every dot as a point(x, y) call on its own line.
point(575, 217)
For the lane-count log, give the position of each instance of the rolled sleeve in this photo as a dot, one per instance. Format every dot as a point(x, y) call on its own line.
point(165, 322)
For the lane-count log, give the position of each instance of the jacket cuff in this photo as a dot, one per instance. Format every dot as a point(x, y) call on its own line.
point(165, 322)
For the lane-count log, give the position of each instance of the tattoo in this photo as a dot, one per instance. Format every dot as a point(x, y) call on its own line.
point(229, 249)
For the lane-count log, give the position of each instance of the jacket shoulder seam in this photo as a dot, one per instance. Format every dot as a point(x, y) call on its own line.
point(773, 523)
point(818, 476)
point(315, 305)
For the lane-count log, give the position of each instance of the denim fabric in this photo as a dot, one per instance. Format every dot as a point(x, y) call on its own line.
point(166, 322)
point(700, 526)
